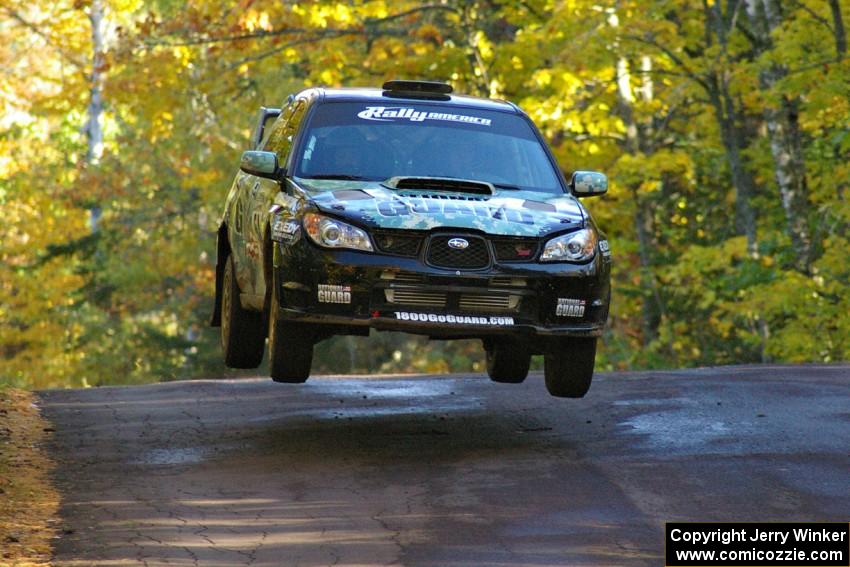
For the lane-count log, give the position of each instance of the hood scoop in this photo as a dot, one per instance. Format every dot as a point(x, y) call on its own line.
point(440, 184)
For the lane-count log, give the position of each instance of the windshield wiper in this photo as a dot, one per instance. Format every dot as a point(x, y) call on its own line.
point(342, 176)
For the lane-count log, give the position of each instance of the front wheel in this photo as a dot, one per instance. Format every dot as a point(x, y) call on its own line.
point(243, 336)
point(507, 360)
point(290, 347)
point(568, 369)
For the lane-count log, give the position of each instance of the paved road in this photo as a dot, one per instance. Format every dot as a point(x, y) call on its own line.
point(442, 470)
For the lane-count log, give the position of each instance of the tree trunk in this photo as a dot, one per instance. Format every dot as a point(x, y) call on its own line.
point(727, 118)
point(479, 77)
point(352, 354)
point(790, 173)
point(651, 308)
point(783, 128)
point(93, 128)
point(637, 142)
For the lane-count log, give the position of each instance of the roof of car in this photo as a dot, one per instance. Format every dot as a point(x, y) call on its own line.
point(377, 95)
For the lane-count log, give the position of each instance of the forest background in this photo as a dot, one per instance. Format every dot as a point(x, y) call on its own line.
point(724, 126)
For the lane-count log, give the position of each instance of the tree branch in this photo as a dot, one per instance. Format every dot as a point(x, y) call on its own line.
point(262, 55)
point(735, 9)
point(839, 32)
point(366, 29)
point(410, 12)
point(672, 56)
point(15, 15)
point(817, 64)
point(815, 16)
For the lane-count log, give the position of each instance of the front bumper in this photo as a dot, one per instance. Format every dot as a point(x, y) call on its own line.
point(350, 291)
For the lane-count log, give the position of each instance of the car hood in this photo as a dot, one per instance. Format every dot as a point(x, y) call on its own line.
point(505, 213)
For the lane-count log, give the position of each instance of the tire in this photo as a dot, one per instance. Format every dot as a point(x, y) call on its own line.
point(290, 347)
point(507, 361)
point(243, 337)
point(569, 369)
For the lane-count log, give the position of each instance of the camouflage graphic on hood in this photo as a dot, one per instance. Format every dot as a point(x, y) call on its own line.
point(505, 213)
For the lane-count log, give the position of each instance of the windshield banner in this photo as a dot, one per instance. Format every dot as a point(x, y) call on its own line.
point(393, 113)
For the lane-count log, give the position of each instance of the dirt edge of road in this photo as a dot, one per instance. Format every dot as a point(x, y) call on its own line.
point(29, 503)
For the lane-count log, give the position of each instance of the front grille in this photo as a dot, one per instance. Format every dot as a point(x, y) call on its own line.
point(489, 302)
point(515, 249)
point(508, 281)
point(469, 302)
point(398, 244)
point(474, 256)
point(402, 277)
point(416, 297)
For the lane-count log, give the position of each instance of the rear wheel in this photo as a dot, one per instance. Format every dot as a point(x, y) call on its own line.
point(568, 369)
point(290, 347)
point(507, 360)
point(243, 337)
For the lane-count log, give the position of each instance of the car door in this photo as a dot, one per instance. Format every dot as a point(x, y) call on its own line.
point(262, 192)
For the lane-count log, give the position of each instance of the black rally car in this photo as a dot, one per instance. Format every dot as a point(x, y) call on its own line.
point(411, 209)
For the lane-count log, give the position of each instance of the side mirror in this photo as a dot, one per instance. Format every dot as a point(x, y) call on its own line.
point(261, 164)
point(588, 183)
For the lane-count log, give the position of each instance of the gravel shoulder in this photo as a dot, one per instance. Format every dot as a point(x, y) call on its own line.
point(28, 502)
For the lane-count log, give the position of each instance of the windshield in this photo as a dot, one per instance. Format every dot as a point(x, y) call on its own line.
point(374, 142)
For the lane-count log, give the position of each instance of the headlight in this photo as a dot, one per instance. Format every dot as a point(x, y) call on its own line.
point(332, 233)
point(573, 247)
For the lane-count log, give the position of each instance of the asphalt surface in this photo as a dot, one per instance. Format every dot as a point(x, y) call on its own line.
point(442, 470)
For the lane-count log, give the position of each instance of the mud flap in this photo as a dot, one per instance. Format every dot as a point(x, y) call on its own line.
point(222, 252)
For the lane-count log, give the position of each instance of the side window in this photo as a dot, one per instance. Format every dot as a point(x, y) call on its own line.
point(281, 138)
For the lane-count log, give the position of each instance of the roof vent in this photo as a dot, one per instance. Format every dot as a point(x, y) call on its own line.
point(417, 89)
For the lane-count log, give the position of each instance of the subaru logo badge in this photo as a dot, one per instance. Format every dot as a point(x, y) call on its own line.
point(458, 243)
